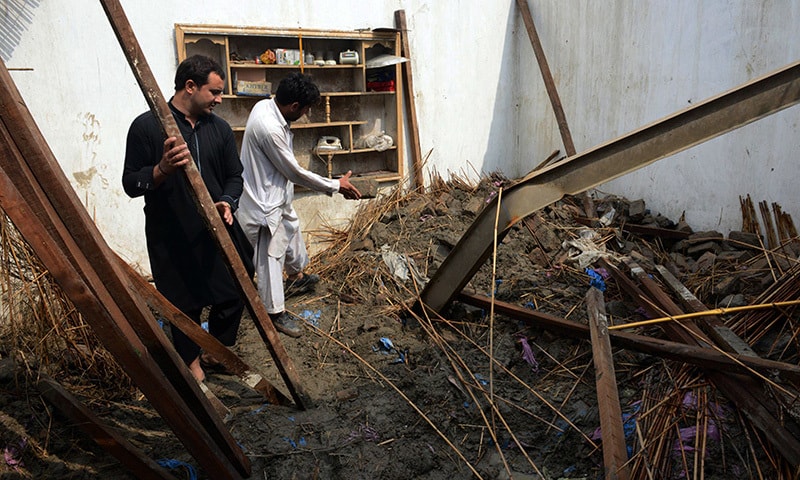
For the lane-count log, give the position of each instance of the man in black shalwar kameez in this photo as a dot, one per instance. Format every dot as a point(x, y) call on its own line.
point(187, 266)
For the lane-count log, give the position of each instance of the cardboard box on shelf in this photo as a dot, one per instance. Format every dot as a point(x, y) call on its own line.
point(253, 89)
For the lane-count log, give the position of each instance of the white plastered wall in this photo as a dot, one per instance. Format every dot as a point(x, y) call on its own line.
point(621, 65)
point(480, 100)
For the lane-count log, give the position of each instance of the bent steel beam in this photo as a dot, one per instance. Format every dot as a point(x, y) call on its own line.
point(675, 133)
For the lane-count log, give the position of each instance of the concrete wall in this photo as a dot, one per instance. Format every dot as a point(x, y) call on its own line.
point(481, 103)
point(623, 64)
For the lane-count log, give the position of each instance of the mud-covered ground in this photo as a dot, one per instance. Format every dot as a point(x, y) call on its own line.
point(398, 396)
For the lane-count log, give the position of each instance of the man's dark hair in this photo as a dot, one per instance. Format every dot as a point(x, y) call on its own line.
point(197, 68)
point(297, 88)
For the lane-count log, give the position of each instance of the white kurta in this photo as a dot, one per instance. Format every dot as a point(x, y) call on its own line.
point(265, 208)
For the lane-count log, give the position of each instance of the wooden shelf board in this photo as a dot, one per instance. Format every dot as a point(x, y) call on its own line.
point(324, 94)
point(245, 31)
point(354, 151)
point(353, 94)
point(270, 66)
point(327, 124)
point(243, 97)
point(316, 125)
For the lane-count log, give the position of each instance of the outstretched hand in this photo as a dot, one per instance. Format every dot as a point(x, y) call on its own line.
point(347, 189)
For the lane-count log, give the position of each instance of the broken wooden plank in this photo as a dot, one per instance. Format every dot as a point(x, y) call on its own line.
point(258, 312)
point(711, 324)
point(641, 229)
point(695, 355)
point(655, 301)
point(206, 341)
point(137, 463)
point(615, 452)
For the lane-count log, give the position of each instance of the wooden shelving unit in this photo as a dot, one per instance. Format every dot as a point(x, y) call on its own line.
point(349, 109)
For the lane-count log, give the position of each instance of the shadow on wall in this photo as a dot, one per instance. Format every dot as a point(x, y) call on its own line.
point(15, 16)
point(505, 119)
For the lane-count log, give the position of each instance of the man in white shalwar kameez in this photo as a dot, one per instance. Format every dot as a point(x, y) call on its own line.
point(265, 207)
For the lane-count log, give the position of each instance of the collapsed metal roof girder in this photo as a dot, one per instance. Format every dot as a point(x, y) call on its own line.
point(668, 136)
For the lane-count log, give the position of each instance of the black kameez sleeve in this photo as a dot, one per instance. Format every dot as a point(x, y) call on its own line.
point(143, 150)
point(233, 183)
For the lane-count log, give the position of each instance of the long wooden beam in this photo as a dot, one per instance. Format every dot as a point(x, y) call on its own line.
point(547, 76)
point(258, 312)
point(615, 452)
point(408, 83)
point(668, 136)
point(702, 357)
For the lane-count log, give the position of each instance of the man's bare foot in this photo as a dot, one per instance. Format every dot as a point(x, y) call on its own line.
point(197, 370)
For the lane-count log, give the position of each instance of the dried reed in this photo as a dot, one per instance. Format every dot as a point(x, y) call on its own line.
point(42, 331)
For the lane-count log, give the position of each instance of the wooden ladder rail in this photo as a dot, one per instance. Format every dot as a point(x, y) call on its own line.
point(144, 76)
point(233, 364)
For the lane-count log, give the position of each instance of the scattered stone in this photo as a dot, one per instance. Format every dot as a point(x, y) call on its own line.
point(702, 248)
point(726, 286)
point(705, 262)
point(547, 238)
point(682, 226)
point(733, 300)
point(368, 187)
point(466, 312)
point(745, 240)
point(447, 238)
point(681, 261)
point(636, 211)
point(538, 257)
point(736, 256)
point(379, 234)
point(644, 261)
point(700, 237)
point(474, 205)
point(362, 245)
point(455, 207)
point(347, 394)
point(664, 222)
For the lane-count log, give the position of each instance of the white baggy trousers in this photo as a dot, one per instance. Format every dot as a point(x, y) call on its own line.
point(273, 253)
